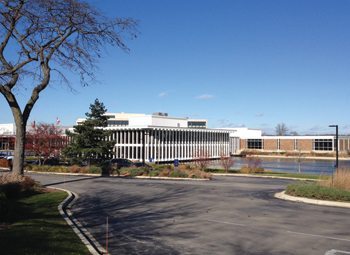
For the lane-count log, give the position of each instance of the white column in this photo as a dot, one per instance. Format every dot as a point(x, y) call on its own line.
point(147, 146)
point(161, 145)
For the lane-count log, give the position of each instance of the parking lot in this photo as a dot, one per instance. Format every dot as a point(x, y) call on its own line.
point(228, 215)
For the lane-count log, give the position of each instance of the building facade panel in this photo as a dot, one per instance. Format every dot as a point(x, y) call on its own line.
point(166, 144)
point(305, 144)
point(270, 144)
point(287, 144)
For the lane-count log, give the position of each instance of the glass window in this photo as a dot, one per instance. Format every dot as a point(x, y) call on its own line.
point(323, 145)
point(118, 122)
point(197, 124)
point(254, 144)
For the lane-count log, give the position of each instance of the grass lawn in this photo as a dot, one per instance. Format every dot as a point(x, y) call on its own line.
point(33, 225)
point(296, 175)
point(316, 191)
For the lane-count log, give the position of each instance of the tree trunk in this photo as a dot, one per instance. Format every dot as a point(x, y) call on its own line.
point(18, 161)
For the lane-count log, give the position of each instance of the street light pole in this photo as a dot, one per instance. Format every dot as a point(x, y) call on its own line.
point(336, 146)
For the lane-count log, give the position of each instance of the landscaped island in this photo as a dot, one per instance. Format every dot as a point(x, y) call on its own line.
point(30, 222)
point(334, 188)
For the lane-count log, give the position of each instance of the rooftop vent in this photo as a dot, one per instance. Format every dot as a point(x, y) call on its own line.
point(160, 114)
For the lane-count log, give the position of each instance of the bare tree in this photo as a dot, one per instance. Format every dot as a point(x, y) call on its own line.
point(281, 129)
point(39, 37)
point(226, 162)
point(202, 159)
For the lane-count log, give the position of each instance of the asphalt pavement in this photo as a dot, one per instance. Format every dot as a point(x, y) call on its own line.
point(228, 215)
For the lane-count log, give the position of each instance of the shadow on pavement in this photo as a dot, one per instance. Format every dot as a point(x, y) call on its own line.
point(74, 180)
point(138, 223)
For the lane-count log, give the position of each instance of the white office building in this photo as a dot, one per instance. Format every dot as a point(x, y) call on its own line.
point(160, 138)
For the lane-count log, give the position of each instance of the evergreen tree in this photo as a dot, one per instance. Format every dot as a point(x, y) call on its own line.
point(89, 139)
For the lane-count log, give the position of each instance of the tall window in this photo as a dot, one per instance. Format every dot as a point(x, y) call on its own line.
point(254, 144)
point(323, 145)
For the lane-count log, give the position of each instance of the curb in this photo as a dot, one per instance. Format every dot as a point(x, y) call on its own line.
point(88, 240)
point(128, 177)
point(264, 176)
point(73, 174)
point(284, 196)
point(169, 178)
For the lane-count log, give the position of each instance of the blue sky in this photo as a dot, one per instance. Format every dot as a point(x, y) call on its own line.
point(252, 63)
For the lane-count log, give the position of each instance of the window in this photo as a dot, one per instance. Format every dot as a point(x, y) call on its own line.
point(323, 145)
point(118, 122)
point(254, 144)
point(197, 124)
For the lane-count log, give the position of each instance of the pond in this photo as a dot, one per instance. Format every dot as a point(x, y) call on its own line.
point(309, 166)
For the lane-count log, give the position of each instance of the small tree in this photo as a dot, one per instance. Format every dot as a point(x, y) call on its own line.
point(41, 38)
point(281, 129)
point(202, 159)
point(45, 140)
point(89, 139)
point(226, 162)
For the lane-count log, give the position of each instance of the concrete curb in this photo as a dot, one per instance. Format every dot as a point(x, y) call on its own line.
point(88, 240)
point(73, 174)
point(284, 196)
point(116, 176)
point(264, 176)
point(169, 178)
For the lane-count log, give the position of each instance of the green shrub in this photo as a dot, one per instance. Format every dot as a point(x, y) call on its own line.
point(162, 167)
point(251, 170)
point(94, 170)
point(217, 170)
point(178, 173)
point(129, 171)
point(154, 173)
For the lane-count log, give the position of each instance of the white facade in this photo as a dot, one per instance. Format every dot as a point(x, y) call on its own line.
point(161, 138)
point(236, 134)
point(245, 133)
point(145, 120)
point(7, 129)
point(165, 144)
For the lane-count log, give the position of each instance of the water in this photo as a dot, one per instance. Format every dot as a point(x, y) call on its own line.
point(307, 166)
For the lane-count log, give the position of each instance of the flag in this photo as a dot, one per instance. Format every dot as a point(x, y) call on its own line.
point(58, 121)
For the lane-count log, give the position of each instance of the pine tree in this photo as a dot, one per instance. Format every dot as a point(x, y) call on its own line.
point(89, 140)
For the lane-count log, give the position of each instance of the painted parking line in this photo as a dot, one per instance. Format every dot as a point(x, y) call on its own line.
point(335, 252)
point(313, 235)
point(226, 222)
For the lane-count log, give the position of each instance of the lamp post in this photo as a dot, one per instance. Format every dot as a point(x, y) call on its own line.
point(336, 145)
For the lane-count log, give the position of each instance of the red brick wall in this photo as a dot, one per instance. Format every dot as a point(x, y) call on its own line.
point(243, 143)
point(270, 144)
point(287, 144)
point(305, 144)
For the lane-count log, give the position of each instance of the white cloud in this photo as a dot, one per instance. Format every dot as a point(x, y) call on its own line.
point(163, 94)
point(205, 96)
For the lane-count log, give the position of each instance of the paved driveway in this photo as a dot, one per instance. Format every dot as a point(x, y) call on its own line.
point(232, 215)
